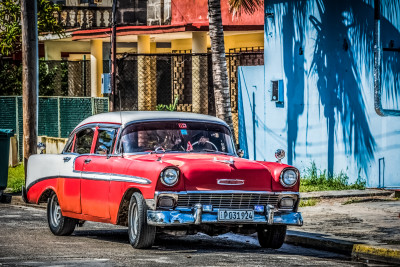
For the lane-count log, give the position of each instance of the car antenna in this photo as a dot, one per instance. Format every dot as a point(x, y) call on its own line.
point(120, 117)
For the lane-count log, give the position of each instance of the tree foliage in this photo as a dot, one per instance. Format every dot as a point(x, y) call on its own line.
point(246, 6)
point(10, 23)
point(11, 77)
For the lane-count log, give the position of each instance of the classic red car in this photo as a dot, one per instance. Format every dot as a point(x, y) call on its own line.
point(160, 172)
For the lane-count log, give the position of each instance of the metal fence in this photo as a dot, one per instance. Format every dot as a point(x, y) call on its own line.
point(56, 77)
point(58, 116)
point(158, 81)
point(144, 81)
point(151, 82)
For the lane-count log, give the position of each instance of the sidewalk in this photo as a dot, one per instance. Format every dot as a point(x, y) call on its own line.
point(360, 223)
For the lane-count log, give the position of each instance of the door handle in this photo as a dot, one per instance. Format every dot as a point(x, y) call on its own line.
point(87, 161)
point(66, 159)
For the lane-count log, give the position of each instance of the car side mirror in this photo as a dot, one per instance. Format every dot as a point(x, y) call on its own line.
point(279, 155)
point(240, 153)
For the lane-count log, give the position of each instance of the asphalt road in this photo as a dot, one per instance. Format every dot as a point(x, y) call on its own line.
point(25, 240)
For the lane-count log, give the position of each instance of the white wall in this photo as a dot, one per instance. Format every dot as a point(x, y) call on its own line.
point(323, 53)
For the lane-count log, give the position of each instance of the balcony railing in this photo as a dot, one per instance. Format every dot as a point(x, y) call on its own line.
point(84, 17)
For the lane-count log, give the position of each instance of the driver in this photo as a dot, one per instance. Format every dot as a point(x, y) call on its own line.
point(171, 141)
point(178, 145)
point(203, 143)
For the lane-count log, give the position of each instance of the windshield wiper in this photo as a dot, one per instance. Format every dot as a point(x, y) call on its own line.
point(157, 150)
point(214, 151)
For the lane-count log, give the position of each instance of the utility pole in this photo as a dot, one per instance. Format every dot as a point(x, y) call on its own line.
point(30, 81)
point(113, 54)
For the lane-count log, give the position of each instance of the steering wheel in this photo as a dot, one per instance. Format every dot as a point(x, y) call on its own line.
point(211, 143)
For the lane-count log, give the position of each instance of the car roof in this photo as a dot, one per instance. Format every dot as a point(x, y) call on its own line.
point(124, 117)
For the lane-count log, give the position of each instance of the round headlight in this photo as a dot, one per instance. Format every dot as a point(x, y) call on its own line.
point(289, 177)
point(169, 177)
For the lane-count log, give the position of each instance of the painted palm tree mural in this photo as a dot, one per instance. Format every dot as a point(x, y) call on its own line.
point(339, 88)
point(328, 45)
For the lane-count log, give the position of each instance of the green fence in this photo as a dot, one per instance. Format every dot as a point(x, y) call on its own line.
point(58, 116)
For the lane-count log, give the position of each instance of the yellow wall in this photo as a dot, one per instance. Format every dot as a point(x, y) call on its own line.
point(244, 40)
point(232, 41)
point(78, 57)
point(181, 44)
point(53, 49)
point(163, 50)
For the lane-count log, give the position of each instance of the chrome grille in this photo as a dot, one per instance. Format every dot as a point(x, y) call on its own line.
point(227, 200)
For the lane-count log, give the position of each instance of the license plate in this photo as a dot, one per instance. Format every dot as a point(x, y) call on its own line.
point(235, 215)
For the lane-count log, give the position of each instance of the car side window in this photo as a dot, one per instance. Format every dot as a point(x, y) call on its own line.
point(68, 146)
point(104, 141)
point(83, 141)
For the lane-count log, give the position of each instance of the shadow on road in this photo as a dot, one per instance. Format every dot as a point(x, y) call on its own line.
point(201, 243)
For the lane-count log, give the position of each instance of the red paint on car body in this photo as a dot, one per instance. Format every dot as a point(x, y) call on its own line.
point(101, 182)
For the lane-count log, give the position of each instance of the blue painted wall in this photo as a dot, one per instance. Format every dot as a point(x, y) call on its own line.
point(323, 52)
point(252, 115)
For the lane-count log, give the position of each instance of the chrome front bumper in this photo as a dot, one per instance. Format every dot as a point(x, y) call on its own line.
point(197, 216)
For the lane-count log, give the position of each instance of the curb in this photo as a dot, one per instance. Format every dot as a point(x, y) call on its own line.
point(319, 241)
point(376, 253)
point(353, 249)
point(355, 193)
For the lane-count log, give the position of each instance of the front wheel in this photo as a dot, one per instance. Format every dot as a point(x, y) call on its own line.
point(141, 235)
point(272, 236)
point(59, 224)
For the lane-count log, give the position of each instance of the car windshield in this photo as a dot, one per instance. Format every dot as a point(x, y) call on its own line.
point(176, 137)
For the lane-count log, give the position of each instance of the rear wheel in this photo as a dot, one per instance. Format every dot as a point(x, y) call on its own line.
point(271, 236)
point(141, 235)
point(59, 224)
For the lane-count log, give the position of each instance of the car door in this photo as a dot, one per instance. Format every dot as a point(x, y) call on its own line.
point(69, 186)
point(96, 173)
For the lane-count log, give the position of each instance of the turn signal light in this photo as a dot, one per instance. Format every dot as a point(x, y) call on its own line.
point(286, 203)
point(166, 203)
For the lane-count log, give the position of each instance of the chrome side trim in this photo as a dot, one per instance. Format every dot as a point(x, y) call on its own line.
point(131, 179)
point(114, 177)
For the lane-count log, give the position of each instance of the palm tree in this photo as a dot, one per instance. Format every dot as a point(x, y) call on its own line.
point(220, 72)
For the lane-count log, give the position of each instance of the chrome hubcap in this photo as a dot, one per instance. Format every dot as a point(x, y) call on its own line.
point(133, 221)
point(55, 215)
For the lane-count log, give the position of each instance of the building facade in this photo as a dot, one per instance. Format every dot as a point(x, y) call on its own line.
point(315, 98)
point(144, 27)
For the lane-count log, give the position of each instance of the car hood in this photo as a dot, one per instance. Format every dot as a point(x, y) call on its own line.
point(217, 172)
